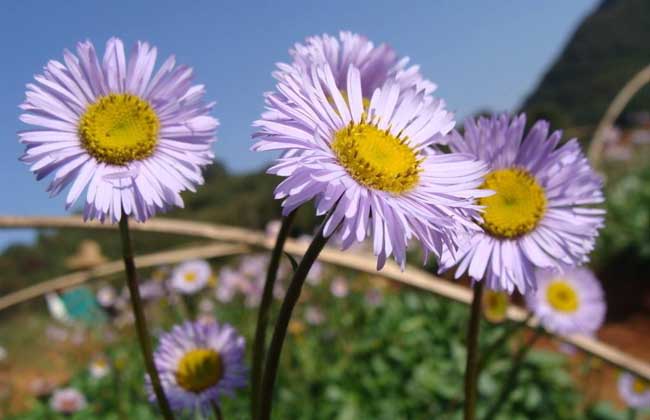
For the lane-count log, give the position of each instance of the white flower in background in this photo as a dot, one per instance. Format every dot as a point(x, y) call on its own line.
point(314, 315)
point(41, 387)
point(190, 277)
point(374, 297)
point(571, 302)
point(229, 283)
point(106, 296)
point(339, 287)
point(78, 336)
point(315, 275)
point(68, 401)
point(151, 289)
point(206, 306)
point(57, 334)
point(273, 228)
point(253, 265)
point(635, 391)
point(99, 367)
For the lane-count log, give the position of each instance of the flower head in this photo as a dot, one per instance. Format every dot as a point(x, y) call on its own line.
point(539, 215)
point(369, 166)
point(106, 296)
point(568, 302)
point(190, 276)
point(339, 287)
point(99, 367)
point(68, 401)
point(635, 391)
point(198, 363)
point(132, 138)
point(376, 64)
point(314, 315)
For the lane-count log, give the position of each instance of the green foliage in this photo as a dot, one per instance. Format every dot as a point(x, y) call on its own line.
point(403, 359)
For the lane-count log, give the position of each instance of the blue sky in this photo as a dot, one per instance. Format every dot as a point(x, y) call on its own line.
point(482, 54)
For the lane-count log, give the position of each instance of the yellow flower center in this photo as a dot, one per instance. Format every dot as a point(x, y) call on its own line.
point(119, 128)
point(495, 305)
point(376, 158)
point(516, 207)
point(640, 386)
point(562, 296)
point(199, 369)
point(190, 277)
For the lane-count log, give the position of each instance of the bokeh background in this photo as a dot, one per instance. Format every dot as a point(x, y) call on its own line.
point(560, 60)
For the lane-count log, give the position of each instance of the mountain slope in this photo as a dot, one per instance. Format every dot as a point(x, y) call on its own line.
point(607, 49)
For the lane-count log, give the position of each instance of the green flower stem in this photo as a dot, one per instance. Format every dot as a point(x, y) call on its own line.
point(280, 331)
point(140, 321)
point(217, 410)
point(259, 344)
point(471, 367)
point(503, 338)
point(631, 413)
point(511, 380)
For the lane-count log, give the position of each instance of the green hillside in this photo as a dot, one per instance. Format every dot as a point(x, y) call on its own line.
point(607, 49)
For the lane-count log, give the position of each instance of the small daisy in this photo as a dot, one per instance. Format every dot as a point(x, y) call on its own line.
point(42, 388)
point(376, 64)
point(314, 315)
point(68, 401)
point(635, 391)
point(151, 289)
point(495, 305)
point(190, 277)
point(568, 302)
point(99, 367)
point(369, 166)
point(106, 296)
point(540, 215)
point(230, 283)
point(132, 138)
point(253, 265)
point(272, 229)
point(374, 297)
point(198, 363)
point(315, 275)
point(339, 287)
point(206, 306)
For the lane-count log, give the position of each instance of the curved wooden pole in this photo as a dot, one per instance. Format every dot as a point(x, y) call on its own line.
point(358, 261)
point(151, 260)
point(614, 109)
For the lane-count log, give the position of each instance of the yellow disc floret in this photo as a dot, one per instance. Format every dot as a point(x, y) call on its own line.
point(640, 386)
point(190, 277)
point(562, 296)
point(377, 159)
point(119, 128)
point(199, 369)
point(516, 207)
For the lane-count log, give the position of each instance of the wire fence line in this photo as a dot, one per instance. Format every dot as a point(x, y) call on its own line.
point(247, 240)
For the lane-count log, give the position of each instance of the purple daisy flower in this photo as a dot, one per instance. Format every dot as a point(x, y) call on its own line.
point(569, 302)
point(190, 277)
point(376, 64)
point(198, 363)
point(131, 138)
point(540, 215)
point(634, 391)
point(368, 165)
